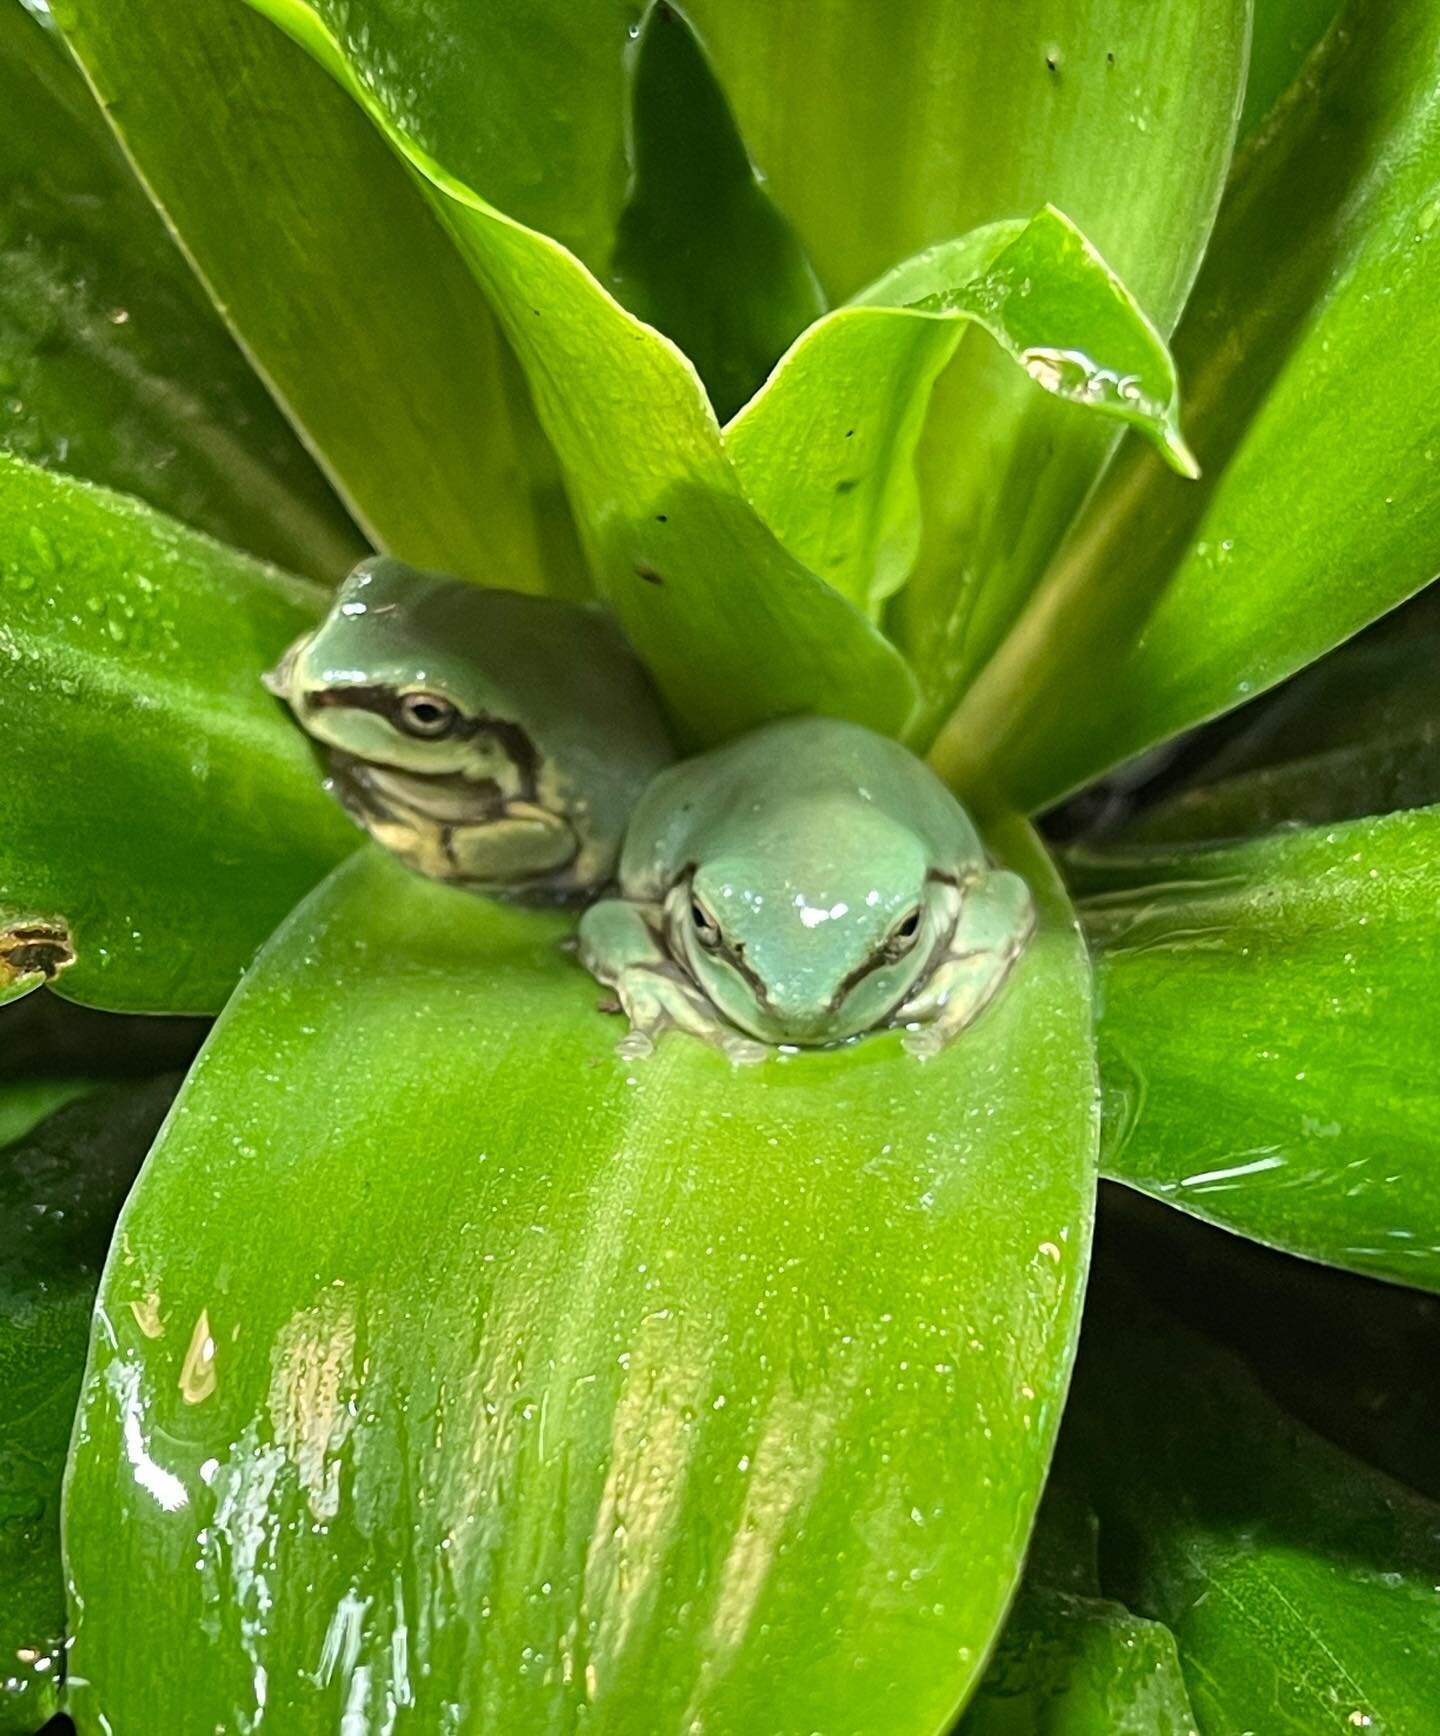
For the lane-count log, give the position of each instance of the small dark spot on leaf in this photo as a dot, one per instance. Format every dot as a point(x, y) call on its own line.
point(1110, 57)
point(535, 311)
point(847, 485)
point(1052, 63)
point(849, 433)
point(650, 576)
point(34, 949)
point(662, 518)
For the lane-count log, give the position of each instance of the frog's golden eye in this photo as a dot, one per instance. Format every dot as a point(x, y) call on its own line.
point(707, 929)
point(429, 716)
point(904, 934)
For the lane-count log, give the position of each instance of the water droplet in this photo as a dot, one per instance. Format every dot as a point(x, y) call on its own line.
point(44, 547)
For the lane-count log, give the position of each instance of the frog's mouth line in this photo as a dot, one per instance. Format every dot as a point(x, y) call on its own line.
point(437, 805)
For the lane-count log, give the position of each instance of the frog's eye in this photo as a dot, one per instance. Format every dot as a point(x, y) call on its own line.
point(707, 929)
point(428, 715)
point(904, 934)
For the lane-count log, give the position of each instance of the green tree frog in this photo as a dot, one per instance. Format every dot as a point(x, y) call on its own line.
point(485, 737)
point(804, 884)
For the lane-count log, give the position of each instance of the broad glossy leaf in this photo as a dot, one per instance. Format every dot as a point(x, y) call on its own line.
point(827, 449)
point(883, 130)
point(1357, 733)
point(526, 105)
point(1299, 1583)
point(60, 1191)
point(1080, 1666)
point(1312, 358)
point(1070, 1661)
point(733, 628)
point(701, 252)
point(1138, 143)
point(113, 365)
point(158, 815)
point(1269, 1040)
point(561, 1388)
point(340, 284)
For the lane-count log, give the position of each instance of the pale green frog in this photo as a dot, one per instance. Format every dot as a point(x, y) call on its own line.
point(485, 737)
point(802, 885)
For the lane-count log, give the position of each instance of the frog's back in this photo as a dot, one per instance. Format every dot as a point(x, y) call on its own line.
point(752, 791)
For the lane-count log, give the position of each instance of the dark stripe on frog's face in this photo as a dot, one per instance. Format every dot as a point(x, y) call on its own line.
point(385, 702)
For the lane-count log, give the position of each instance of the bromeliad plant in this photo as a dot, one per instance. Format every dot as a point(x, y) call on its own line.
point(450, 1372)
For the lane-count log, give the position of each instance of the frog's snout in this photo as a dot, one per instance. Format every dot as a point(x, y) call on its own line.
point(277, 680)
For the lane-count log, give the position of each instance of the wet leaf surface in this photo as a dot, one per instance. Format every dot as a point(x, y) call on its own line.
point(561, 1386)
point(61, 1187)
point(1269, 1039)
point(827, 450)
point(158, 811)
point(1307, 344)
point(1299, 1583)
point(339, 283)
point(732, 627)
point(113, 364)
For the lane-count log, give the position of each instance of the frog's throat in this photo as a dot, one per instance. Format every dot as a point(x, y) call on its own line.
point(466, 831)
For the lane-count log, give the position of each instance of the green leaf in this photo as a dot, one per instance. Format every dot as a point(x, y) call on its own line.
point(826, 451)
point(1269, 1052)
point(732, 627)
point(60, 1190)
point(701, 252)
point(1299, 1583)
point(113, 366)
point(1080, 1666)
point(24, 1103)
point(1284, 35)
point(1071, 1662)
point(340, 284)
point(1357, 733)
point(883, 130)
point(159, 815)
point(526, 105)
point(726, 1403)
point(1312, 359)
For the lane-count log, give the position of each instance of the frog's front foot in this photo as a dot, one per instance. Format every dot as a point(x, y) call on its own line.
point(621, 946)
point(997, 918)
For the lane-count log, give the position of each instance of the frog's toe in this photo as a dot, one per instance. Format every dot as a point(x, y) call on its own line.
point(635, 1045)
point(924, 1042)
point(742, 1051)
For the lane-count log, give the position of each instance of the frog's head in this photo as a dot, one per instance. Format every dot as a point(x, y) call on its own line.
point(815, 935)
point(376, 680)
point(426, 749)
